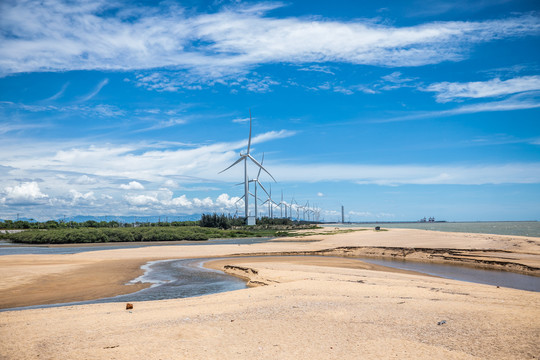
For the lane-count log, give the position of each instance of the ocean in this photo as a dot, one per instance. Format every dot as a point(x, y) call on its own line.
point(520, 228)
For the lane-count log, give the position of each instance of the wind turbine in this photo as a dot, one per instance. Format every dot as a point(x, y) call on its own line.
point(281, 205)
point(271, 204)
point(245, 157)
point(256, 181)
point(290, 208)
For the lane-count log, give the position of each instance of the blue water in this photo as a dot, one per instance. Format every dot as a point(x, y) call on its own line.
point(7, 248)
point(173, 279)
point(170, 279)
point(464, 273)
point(520, 228)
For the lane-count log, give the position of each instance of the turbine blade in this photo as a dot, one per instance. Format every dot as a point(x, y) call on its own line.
point(239, 199)
point(259, 165)
point(234, 163)
point(264, 189)
point(262, 162)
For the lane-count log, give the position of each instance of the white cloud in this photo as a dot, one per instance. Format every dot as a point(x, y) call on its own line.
point(227, 202)
point(240, 120)
point(182, 201)
point(96, 90)
point(133, 185)
point(320, 194)
point(524, 101)
point(165, 124)
point(27, 193)
point(447, 91)
point(84, 180)
point(517, 173)
point(60, 36)
point(100, 110)
point(171, 183)
point(77, 196)
point(138, 200)
point(59, 93)
point(318, 68)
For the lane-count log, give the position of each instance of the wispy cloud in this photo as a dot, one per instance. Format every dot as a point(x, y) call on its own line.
point(17, 126)
point(517, 173)
point(164, 124)
point(240, 120)
point(318, 68)
point(59, 36)
point(392, 81)
point(447, 91)
point(528, 100)
point(59, 93)
point(96, 90)
point(436, 7)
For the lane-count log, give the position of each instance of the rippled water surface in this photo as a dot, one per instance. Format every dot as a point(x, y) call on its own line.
point(465, 273)
point(7, 248)
point(171, 279)
point(521, 228)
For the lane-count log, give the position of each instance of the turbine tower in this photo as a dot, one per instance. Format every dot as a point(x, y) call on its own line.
point(245, 157)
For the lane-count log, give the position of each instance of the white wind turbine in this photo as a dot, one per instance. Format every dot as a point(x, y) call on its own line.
point(271, 204)
point(297, 209)
point(281, 206)
point(245, 157)
point(255, 182)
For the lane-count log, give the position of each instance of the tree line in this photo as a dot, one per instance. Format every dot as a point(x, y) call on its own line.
point(53, 224)
point(220, 221)
point(142, 234)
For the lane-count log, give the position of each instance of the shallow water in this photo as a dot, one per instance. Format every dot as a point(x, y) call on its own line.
point(170, 279)
point(520, 228)
point(173, 279)
point(465, 273)
point(7, 248)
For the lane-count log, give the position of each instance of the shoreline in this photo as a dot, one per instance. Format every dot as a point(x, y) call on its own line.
point(112, 278)
point(50, 279)
point(306, 311)
point(342, 307)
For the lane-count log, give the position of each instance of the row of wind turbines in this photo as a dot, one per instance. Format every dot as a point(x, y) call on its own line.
point(312, 213)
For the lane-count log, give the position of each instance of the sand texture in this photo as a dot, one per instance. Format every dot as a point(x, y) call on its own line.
point(311, 308)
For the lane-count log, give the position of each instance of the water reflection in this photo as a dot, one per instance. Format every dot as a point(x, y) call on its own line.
point(7, 248)
point(464, 273)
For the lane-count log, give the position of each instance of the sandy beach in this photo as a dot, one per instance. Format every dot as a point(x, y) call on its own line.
point(297, 308)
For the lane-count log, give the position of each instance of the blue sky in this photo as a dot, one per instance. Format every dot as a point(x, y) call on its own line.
point(397, 110)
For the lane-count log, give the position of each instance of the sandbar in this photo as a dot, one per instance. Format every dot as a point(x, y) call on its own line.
point(296, 309)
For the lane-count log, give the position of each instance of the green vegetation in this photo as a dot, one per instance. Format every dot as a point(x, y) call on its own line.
point(101, 235)
point(211, 226)
point(52, 224)
point(222, 221)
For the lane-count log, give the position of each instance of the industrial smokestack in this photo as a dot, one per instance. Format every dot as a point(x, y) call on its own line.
point(342, 214)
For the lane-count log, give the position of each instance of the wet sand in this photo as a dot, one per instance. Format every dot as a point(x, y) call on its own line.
point(303, 309)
